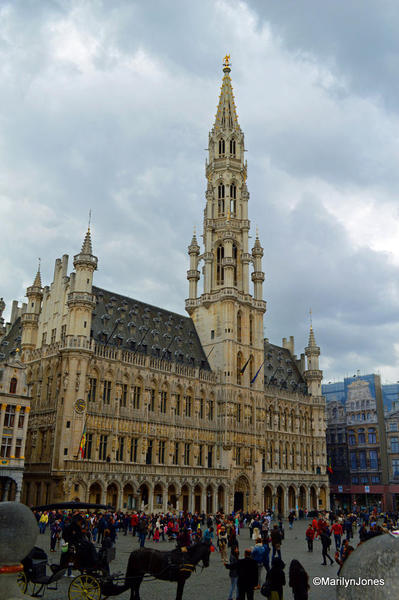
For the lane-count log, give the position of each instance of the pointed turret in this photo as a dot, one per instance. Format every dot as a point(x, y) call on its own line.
point(226, 115)
point(86, 254)
point(258, 275)
point(193, 274)
point(38, 280)
point(312, 340)
point(313, 375)
point(87, 246)
point(81, 301)
point(30, 319)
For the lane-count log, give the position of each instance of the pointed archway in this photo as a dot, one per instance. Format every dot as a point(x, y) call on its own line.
point(241, 494)
point(267, 498)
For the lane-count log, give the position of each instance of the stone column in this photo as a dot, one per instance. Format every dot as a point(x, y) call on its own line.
point(307, 499)
point(18, 485)
point(285, 503)
point(203, 500)
point(15, 431)
point(214, 502)
point(25, 430)
point(2, 414)
point(151, 499)
point(165, 500)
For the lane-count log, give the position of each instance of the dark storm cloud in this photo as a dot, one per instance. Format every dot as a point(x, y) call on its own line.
point(108, 106)
point(358, 38)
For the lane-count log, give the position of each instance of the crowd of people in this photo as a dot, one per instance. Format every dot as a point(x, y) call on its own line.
point(261, 566)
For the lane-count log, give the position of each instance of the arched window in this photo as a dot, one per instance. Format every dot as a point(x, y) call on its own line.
point(13, 385)
point(233, 147)
point(239, 322)
point(219, 268)
point(239, 366)
point(235, 264)
point(221, 199)
point(233, 195)
point(221, 147)
point(251, 329)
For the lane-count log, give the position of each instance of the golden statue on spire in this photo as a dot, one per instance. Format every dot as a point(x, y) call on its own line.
point(226, 61)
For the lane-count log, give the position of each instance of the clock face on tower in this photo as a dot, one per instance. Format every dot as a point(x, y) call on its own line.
point(80, 406)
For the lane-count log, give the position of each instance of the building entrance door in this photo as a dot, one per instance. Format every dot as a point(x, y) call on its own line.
point(238, 501)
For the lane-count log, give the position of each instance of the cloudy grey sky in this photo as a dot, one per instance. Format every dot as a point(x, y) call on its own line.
point(107, 105)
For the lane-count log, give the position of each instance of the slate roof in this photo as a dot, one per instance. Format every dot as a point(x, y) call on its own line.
point(12, 341)
point(145, 329)
point(281, 371)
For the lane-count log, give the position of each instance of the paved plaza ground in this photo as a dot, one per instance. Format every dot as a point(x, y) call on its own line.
point(213, 583)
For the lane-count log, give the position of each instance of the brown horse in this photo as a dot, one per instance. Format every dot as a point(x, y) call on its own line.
point(169, 566)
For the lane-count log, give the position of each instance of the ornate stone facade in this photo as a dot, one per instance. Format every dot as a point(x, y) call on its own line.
point(14, 415)
point(196, 413)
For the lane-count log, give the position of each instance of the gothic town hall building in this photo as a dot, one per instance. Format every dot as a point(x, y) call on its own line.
point(195, 413)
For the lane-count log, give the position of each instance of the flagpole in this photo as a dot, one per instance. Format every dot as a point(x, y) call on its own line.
point(81, 437)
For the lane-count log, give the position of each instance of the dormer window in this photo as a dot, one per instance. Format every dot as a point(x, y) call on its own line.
point(13, 385)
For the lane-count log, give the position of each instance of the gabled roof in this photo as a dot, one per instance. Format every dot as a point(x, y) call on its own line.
point(281, 371)
point(146, 329)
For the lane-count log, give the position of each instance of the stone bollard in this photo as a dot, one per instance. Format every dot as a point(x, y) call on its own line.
point(18, 533)
point(375, 559)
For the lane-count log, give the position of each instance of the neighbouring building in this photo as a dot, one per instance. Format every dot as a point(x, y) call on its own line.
point(15, 407)
point(361, 442)
point(196, 413)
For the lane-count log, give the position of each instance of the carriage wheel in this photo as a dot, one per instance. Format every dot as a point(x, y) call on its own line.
point(34, 589)
point(22, 581)
point(84, 587)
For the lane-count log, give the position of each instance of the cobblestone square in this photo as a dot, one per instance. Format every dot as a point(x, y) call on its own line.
point(213, 583)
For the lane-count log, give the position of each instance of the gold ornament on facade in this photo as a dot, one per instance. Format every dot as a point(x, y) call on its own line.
point(80, 406)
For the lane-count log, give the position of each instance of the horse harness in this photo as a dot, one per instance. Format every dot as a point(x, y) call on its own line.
point(181, 566)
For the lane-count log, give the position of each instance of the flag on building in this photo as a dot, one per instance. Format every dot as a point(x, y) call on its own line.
point(329, 467)
point(242, 370)
point(257, 373)
point(83, 443)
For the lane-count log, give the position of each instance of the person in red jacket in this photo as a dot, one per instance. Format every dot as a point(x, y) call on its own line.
point(337, 530)
point(310, 533)
point(314, 525)
point(134, 521)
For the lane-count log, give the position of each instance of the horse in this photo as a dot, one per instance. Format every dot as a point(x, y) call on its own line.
point(174, 565)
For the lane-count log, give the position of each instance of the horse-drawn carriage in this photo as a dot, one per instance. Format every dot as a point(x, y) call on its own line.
point(34, 578)
point(94, 580)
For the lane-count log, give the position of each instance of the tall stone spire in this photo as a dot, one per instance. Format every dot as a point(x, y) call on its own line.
point(81, 301)
point(313, 375)
point(86, 257)
point(38, 280)
point(87, 247)
point(226, 117)
point(30, 319)
point(228, 318)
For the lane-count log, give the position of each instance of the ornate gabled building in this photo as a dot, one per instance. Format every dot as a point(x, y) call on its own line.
point(193, 413)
